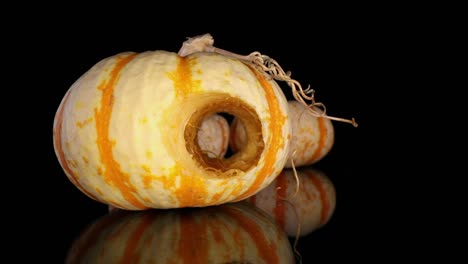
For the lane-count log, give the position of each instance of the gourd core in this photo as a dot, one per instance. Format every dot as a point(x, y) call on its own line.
point(243, 159)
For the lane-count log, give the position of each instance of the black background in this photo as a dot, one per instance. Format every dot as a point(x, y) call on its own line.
point(344, 55)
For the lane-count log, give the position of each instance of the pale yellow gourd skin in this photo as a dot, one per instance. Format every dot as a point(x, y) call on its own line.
point(312, 137)
point(119, 131)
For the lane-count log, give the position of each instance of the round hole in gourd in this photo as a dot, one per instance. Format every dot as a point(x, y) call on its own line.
point(230, 108)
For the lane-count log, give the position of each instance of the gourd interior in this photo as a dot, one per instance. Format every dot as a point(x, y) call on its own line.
point(243, 159)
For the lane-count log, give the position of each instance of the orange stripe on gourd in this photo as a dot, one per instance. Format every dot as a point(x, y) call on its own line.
point(182, 77)
point(189, 184)
point(322, 141)
point(275, 141)
point(192, 188)
point(112, 172)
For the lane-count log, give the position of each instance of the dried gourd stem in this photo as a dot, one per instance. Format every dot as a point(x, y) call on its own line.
point(303, 96)
point(204, 43)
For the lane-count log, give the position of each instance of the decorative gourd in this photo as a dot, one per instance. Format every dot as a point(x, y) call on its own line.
point(126, 132)
point(312, 136)
point(299, 211)
point(229, 233)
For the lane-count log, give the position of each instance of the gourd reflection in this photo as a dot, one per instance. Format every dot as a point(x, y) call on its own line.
point(230, 233)
point(302, 212)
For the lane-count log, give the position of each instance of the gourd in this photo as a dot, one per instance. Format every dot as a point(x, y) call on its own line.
point(126, 132)
point(228, 233)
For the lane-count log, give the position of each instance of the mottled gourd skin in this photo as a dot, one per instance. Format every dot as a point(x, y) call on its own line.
point(229, 233)
point(120, 132)
point(312, 137)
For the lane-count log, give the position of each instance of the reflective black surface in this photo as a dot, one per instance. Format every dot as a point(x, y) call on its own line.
point(318, 238)
point(275, 226)
point(229, 233)
point(219, 234)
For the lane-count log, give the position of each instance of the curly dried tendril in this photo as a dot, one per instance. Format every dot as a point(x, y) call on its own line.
point(269, 66)
point(303, 96)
